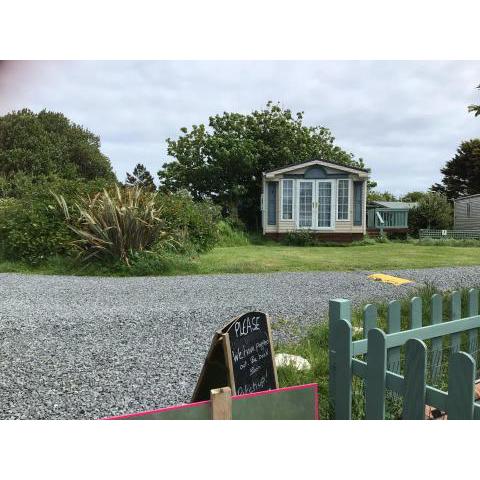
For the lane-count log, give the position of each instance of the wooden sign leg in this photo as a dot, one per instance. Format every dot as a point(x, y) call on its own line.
point(221, 403)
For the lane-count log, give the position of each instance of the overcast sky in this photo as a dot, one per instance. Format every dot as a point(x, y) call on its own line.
point(405, 119)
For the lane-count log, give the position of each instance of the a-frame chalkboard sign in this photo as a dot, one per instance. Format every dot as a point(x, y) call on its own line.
point(241, 357)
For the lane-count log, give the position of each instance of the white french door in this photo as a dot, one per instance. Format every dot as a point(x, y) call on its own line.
point(305, 203)
point(315, 204)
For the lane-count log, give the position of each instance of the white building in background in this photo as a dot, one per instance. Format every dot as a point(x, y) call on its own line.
point(324, 197)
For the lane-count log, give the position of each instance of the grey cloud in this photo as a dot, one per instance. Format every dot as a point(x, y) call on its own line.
point(405, 119)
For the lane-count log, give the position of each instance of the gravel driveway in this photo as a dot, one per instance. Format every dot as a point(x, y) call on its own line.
point(88, 347)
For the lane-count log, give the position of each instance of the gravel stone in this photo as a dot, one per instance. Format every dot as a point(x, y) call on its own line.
point(90, 347)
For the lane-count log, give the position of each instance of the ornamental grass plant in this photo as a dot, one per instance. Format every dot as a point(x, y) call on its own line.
point(115, 224)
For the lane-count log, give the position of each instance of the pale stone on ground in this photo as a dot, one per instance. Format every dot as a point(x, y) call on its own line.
point(285, 359)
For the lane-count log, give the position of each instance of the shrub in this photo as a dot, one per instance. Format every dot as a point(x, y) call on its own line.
point(383, 239)
point(366, 240)
point(235, 222)
point(31, 227)
point(153, 263)
point(432, 211)
point(38, 189)
point(300, 238)
point(31, 231)
point(231, 237)
point(193, 225)
point(115, 225)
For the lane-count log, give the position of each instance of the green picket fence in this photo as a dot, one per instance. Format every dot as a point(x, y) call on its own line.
point(419, 366)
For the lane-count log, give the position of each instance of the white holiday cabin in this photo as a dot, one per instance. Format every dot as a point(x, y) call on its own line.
point(324, 197)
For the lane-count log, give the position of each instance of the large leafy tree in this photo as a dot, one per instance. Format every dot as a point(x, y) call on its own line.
point(140, 177)
point(225, 161)
point(47, 143)
point(461, 174)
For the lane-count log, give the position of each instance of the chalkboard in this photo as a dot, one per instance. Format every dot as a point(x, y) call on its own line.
point(241, 357)
point(251, 354)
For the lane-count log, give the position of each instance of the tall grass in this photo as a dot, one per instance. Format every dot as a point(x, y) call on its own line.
point(230, 237)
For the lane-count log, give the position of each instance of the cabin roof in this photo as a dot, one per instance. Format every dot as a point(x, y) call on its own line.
point(393, 205)
point(466, 197)
point(308, 163)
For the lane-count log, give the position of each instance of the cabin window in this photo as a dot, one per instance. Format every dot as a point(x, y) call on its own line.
point(272, 203)
point(342, 203)
point(468, 209)
point(357, 203)
point(305, 204)
point(287, 199)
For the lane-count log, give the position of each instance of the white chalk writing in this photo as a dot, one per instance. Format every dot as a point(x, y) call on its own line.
point(246, 325)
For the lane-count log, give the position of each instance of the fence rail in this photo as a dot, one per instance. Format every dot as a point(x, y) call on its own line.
point(450, 234)
point(400, 363)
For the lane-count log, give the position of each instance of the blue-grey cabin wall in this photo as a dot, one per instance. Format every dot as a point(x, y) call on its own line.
point(272, 188)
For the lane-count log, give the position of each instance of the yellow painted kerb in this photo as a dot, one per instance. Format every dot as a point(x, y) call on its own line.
point(381, 277)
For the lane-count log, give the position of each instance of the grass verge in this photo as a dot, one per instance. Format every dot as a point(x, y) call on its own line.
point(247, 257)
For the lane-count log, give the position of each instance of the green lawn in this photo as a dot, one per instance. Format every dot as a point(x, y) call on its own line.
point(272, 257)
point(381, 256)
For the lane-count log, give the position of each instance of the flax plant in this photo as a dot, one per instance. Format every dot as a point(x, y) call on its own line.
point(115, 224)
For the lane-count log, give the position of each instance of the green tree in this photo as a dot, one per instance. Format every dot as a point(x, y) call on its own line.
point(140, 177)
point(475, 108)
point(461, 174)
point(225, 162)
point(413, 196)
point(49, 143)
point(385, 196)
point(433, 211)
